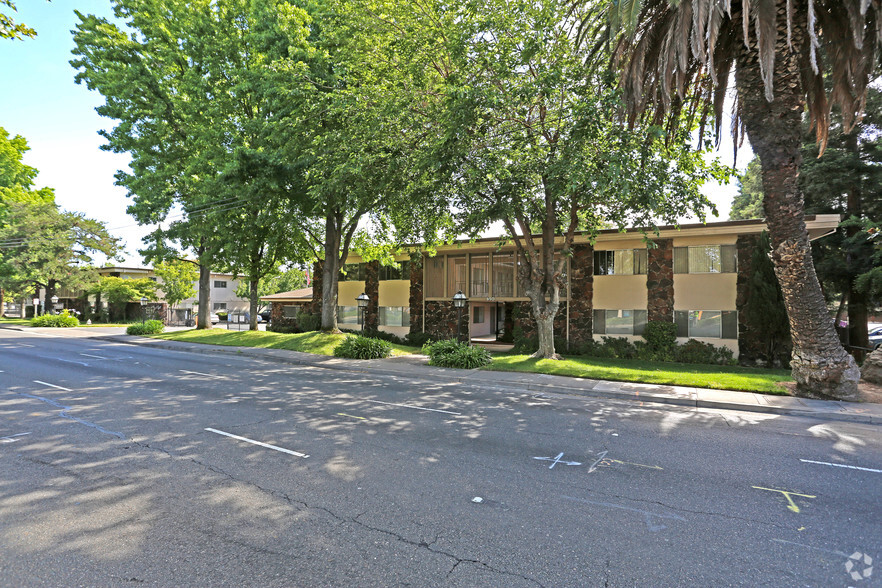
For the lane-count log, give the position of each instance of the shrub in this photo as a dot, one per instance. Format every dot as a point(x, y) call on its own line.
point(694, 351)
point(418, 339)
point(56, 320)
point(222, 316)
point(661, 341)
point(309, 322)
point(383, 335)
point(619, 348)
point(284, 325)
point(145, 328)
point(357, 347)
point(452, 353)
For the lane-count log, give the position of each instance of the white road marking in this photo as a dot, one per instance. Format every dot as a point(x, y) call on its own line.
point(593, 466)
point(841, 465)
point(648, 515)
point(414, 407)
point(95, 356)
point(267, 445)
point(557, 459)
point(53, 386)
point(202, 374)
point(69, 361)
point(11, 438)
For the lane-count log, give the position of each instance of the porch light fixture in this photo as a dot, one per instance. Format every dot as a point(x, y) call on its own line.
point(363, 300)
point(459, 301)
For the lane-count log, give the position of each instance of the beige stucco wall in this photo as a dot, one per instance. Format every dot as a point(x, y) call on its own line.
point(704, 291)
point(398, 331)
point(608, 242)
point(705, 240)
point(394, 293)
point(619, 292)
point(347, 292)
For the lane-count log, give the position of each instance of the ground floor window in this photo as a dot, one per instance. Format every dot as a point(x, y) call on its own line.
point(714, 324)
point(290, 311)
point(220, 306)
point(478, 314)
point(395, 316)
point(619, 321)
point(347, 315)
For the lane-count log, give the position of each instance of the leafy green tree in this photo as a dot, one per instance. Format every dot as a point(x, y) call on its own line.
point(119, 292)
point(178, 277)
point(526, 140)
point(765, 305)
point(9, 29)
point(678, 55)
point(357, 130)
point(50, 248)
point(291, 279)
point(748, 203)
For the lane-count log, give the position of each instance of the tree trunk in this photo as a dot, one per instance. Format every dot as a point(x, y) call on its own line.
point(204, 319)
point(252, 326)
point(820, 365)
point(545, 330)
point(51, 287)
point(330, 275)
point(2, 301)
point(858, 314)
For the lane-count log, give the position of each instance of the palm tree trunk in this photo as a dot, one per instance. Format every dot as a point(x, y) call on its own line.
point(820, 365)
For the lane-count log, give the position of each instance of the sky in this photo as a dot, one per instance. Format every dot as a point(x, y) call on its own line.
point(41, 102)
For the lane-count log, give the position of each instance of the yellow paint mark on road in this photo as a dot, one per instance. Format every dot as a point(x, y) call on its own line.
point(352, 416)
point(801, 529)
point(787, 494)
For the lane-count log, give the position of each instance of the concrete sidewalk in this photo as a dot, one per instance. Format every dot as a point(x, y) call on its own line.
point(415, 366)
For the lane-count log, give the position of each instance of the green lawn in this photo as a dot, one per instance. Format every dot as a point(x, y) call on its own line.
point(312, 342)
point(15, 321)
point(650, 372)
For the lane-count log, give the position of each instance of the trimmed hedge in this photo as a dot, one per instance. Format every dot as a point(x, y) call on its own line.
point(146, 328)
point(56, 320)
point(452, 353)
point(358, 347)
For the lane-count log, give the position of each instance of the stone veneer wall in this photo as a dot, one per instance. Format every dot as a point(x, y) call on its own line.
point(416, 295)
point(276, 313)
point(441, 318)
point(524, 320)
point(660, 281)
point(581, 294)
point(372, 289)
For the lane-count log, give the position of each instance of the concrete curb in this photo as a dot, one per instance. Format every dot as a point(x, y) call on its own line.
point(865, 413)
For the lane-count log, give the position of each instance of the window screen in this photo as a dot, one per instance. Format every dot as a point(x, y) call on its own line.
point(704, 259)
point(503, 275)
point(599, 323)
point(705, 323)
point(434, 286)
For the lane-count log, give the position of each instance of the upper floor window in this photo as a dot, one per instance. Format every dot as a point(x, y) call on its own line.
point(705, 259)
point(402, 272)
point(220, 283)
point(353, 272)
point(620, 262)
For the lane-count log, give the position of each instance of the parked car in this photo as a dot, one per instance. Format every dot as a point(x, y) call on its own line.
point(213, 317)
point(265, 315)
point(876, 337)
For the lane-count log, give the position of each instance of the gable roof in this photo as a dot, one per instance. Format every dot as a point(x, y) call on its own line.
point(292, 295)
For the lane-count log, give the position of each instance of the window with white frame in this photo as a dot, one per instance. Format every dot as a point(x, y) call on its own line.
point(620, 262)
point(220, 306)
point(712, 324)
point(220, 283)
point(619, 321)
point(705, 259)
point(395, 316)
point(347, 315)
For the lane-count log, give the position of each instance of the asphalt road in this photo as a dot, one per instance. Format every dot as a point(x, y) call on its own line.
point(118, 467)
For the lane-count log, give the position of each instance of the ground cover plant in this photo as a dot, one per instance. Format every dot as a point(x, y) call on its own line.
point(64, 319)
point(358, 347)
point(152, 327)
point(452, 353)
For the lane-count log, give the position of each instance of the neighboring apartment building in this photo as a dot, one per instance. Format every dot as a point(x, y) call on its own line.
point(696, 277)
point(222, 288)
